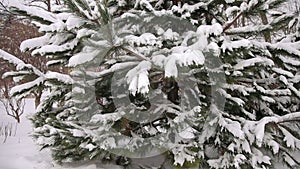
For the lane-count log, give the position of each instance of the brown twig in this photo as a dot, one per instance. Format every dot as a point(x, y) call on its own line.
point(228, 25)
point(13, 107)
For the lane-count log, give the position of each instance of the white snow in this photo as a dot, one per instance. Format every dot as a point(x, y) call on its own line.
point(60, 77)
point(26, 87)
point(87, 55)
point(191, 57)
point(237, 100)
point(170, 35)
point(230, 10)
point(78, 133)
point(159, 60)
point(10, 58)
point(283, 72)
point(180, 57)
point(251, 62)
point(90, 147)
point(290, 140)
point(34, 42)
point(74, 22)
point(21, 152)
point(144, 39)
point(187, 133)
point(206, 30)
point(137, 78)
point(228, 45)
point(186, 8)
point(290, 60)
point(287, 47)
point(181, 154)
point(170, 67)
point(249, 29)
point(55, 48)
point(275, 146)
point(32, 10)
point(104, 118)
point(18, 63)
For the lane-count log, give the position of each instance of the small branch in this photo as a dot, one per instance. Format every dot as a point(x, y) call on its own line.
point(48, 3)
point(13, 107)
point(11, 115)
point(287, 121)
point(265, 21)
point(38, 7)
point(258, 81)
point(139, 56)
point(293, 117)
point(228, 25)
point(5, 9)
point(58, 2)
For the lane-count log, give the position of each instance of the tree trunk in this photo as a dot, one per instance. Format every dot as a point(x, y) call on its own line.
point(37, 100)
point(49, 5)
point(18, 118)
point(264, 20)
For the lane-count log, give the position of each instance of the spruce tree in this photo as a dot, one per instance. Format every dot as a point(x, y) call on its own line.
point(209, 83)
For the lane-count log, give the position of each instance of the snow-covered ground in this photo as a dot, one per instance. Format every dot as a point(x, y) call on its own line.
point(20, 152)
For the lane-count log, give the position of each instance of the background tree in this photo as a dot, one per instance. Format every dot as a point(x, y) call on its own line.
point(13, 31)
point(173, 96)
point(13, 107)
point(44, 4)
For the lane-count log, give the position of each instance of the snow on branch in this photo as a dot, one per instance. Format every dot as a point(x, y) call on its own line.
point(251, 62)
point(137, 78)
point(290, 140)
point(286, 47)
point(32, 11)
point(59, 77)
point(33, 43)
point(10, 58)
point(289, 117)
point(24, 89)
point(18, 63)
point(259, 126)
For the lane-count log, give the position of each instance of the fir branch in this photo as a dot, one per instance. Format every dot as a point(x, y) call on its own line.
point(289, 118)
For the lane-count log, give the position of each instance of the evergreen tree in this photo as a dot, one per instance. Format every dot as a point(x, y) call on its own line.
point(213, 83)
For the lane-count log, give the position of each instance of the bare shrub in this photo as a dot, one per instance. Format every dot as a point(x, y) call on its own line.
point(12, 106)
point(8, 130)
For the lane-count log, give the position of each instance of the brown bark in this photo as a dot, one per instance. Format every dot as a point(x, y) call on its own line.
point(227, 26)
point(264, 20)
point(49, 5)
point(125, 127)
point(37, 97)
point(243, 20)
point(58, 2)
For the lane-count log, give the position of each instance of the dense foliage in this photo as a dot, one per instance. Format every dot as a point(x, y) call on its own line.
point(213, 83)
